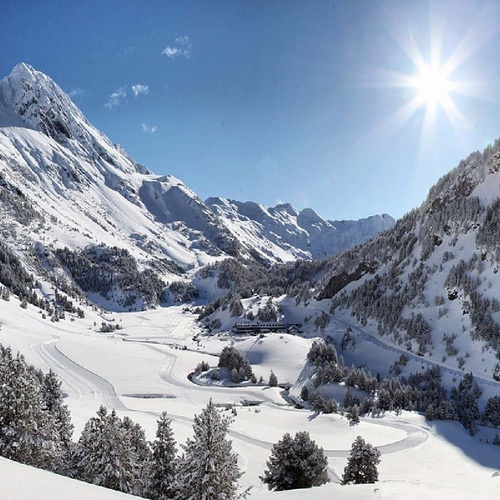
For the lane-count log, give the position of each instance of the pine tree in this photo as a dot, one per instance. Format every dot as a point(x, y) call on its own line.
point(362, 464)
point(26, 431)
point(465, 400)
point(353, 415)
point(296, 463)
point(104, 454)
point(208, 470)
point(141, 453)
point(273, 380)
point(237, 364)
point(492, 411)
point(162, 466)
point(60, 417)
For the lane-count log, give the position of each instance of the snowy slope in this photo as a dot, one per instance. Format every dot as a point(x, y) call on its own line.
point(20, 482)
point(87, 190)
point(430, 285)
point(147, 374)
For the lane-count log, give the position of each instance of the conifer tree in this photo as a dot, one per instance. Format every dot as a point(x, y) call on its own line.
point(353, 415)
point(465, 400)
point(362, 464)
point(104, 454)
point(162, 466)
point(208, 470)
point(141, 454)
point(492, 411)
point(59, 416)
point(296, 463)
point(273, 380)
point(26, 431)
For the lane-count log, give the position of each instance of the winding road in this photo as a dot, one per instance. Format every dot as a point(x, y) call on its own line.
point(379, 342)
point(84, 383)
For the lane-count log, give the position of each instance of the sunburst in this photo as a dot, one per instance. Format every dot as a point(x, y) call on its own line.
point(433, 86)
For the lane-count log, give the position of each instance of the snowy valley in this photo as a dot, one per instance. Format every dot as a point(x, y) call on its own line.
point(128, 286)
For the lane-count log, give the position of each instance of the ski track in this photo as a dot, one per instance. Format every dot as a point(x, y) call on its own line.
point(85, 383)
point(82, 381)
point(378, 342)
point(166, 374)
point(424, 361)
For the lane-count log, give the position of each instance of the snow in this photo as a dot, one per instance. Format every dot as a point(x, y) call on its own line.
point(91, 192)
point(20, 482)
point(143, 370)
point(282, 234)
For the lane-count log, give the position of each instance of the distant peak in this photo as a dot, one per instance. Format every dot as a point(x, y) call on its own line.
point(216, 200)
point(170, 179)
point(310, 215)
point(286, 207)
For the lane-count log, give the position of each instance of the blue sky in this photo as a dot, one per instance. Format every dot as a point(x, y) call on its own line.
point(275, 101)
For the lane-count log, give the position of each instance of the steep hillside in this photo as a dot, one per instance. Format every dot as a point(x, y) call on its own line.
point(431, 283)
point(89, 190)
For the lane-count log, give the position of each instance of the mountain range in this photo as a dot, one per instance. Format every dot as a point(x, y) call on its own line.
point(64, 184)
point(414, 301)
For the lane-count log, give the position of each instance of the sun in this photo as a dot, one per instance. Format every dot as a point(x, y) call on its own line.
point(433, 85)
point(435, 91)
point(430, 80)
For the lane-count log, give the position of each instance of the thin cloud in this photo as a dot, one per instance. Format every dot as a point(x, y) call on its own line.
point(140, 89)
point(116, 98)
point(181, 48)
point(76, 93)
point(149, 130)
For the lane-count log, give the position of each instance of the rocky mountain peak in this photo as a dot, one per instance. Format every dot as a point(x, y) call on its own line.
point(41, 103)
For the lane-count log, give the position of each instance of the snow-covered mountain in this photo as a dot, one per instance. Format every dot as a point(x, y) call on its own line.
point(428, 286)
point(281, 232)
point(431, 283)
point(81, 189)
point(64, 184)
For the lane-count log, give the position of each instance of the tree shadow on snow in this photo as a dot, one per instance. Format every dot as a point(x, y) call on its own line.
point(487, 455)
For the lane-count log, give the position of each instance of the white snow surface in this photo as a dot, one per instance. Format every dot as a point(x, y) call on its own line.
point(142, 370)
point(283, 234)
point(89, 191)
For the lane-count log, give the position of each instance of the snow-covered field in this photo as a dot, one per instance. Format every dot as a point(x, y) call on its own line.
point(142, 370)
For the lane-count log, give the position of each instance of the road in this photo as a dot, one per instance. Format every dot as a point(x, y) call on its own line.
point(381, 343)
point(85, 384)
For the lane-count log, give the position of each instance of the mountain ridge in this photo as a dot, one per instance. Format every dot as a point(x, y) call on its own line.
point(79, 190)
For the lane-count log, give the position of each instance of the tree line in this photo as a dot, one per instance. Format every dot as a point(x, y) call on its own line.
point(421, 391)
